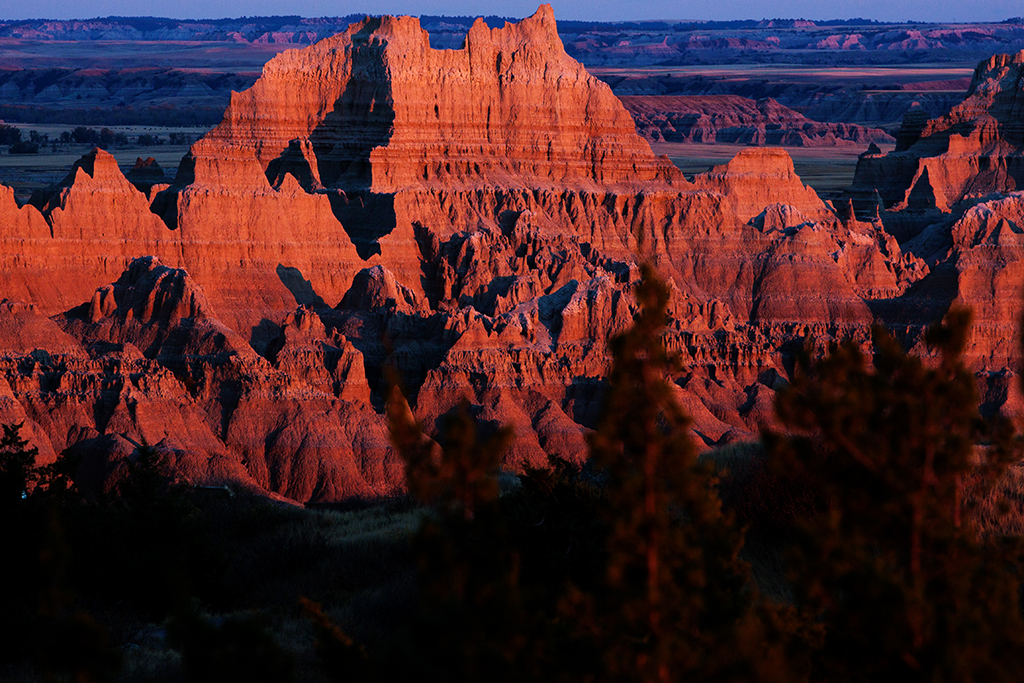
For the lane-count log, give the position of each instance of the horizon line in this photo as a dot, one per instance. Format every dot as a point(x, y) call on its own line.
point(823, 21)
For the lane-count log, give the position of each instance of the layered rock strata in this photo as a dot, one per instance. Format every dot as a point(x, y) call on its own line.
point(974, 150)
point(950, 193)
point(739, 120)
point(472, 218)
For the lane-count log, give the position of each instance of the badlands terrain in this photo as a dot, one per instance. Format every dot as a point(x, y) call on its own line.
point(470, 206)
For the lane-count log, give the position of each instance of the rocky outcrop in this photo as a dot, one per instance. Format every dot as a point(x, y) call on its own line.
point(159, 310)
point(145, 174)
point(949, 194)
point(147, 362)
point(376, 288)
point(974, 150)
point(739, 120)
point(76, 236)
point(326, 361)
point(979, 254)
point(381, 110)
point(377, 109)
point(755, 179)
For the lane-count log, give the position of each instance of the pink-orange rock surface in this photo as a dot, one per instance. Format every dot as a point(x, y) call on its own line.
point(473, 218)
point(974, 150)
point(951, 194)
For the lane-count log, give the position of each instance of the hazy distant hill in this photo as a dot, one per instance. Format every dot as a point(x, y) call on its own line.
point(141, 70)
point(648, 42)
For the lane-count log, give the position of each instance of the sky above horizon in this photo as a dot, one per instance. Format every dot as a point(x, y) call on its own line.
point(593, 10)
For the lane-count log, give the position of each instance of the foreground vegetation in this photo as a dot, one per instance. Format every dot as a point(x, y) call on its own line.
point(877, 538)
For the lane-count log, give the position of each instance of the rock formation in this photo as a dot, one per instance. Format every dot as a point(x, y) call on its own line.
point(470, 218)
point(145, 174)
point(974, 150)
point(381, 110)
point(950, 193)
point(734, 119)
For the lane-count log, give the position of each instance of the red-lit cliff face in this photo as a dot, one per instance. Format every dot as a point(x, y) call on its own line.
point(975, 149)
point(473, 218)
point(376, 108)
point(950, 193)
point(346, 145)
point(78, 235)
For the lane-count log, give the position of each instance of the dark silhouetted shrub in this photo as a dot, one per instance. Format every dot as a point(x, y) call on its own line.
point(470, 623)
point(903, 585)
point(17, 466)
point(24, 147)
point(9, 135)
point(677, 602)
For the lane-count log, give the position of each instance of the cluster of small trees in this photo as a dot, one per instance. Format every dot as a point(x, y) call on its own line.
point(631, 569)
point(174, 138)
point(103, 137)
point(82, 135)
point(11, 136)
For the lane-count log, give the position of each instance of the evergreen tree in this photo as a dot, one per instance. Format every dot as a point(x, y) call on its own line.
point(19, 537)
point(41, 621)
point(677, 603)
point(905, 588)
point(469, 624)
point(17, 466)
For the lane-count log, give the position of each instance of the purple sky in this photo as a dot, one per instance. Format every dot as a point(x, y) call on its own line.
point(600, 10)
